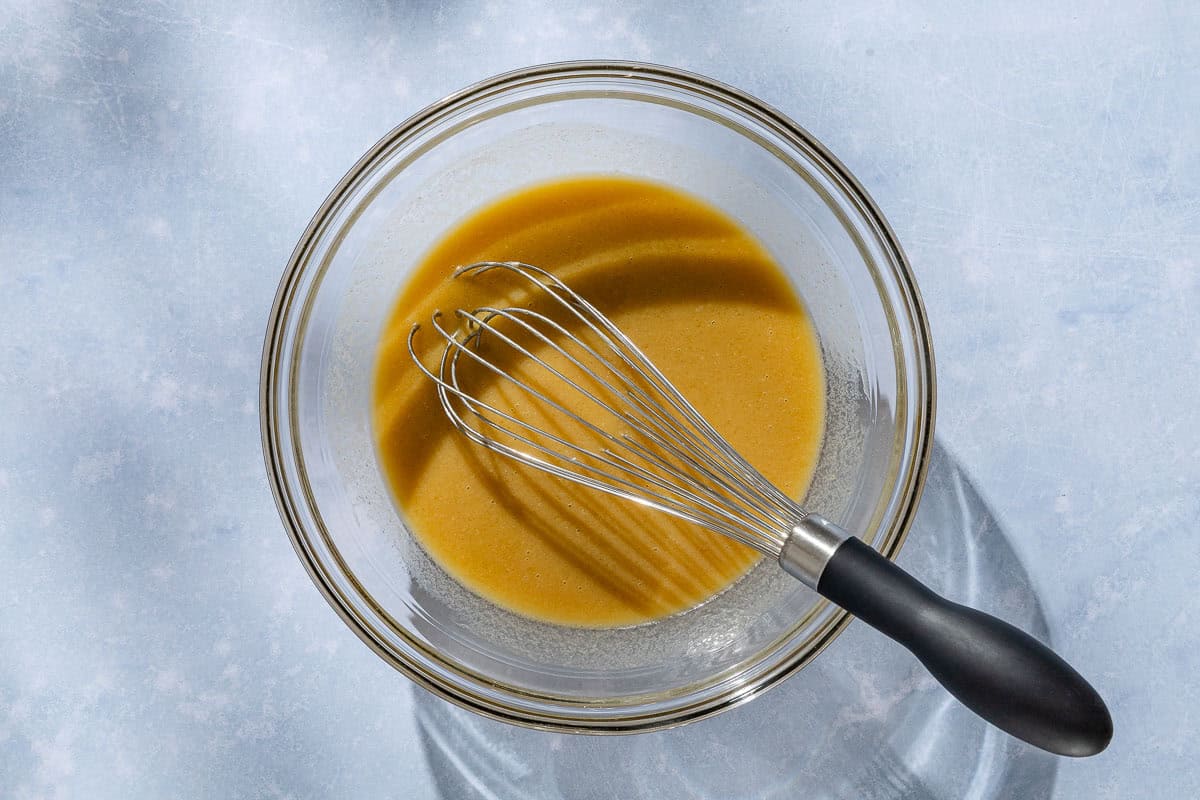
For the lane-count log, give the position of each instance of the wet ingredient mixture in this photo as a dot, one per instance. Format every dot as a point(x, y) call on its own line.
point(702, 299)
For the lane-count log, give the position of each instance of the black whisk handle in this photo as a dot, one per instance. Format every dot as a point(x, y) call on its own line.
point(998, 671)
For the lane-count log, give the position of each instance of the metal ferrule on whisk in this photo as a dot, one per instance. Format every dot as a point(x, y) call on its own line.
point(809, 547)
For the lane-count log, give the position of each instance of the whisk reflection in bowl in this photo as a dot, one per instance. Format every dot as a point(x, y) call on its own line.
point(633, 435)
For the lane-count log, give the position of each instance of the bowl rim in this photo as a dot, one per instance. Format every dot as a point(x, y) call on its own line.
point(277, 323)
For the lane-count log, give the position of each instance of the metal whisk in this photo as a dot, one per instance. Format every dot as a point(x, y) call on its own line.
point(632, 434)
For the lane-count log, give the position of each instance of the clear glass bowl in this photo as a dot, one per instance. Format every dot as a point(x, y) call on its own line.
point(509, 132)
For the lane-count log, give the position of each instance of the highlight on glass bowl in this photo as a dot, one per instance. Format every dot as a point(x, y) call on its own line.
point(557, 487)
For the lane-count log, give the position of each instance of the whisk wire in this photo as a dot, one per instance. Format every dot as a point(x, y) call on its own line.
point(661, 426)
point(636, 360)
point(669, 457)
point(712, 503)
point(684, 508)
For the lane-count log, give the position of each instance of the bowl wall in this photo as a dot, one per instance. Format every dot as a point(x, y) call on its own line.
point(489, 141)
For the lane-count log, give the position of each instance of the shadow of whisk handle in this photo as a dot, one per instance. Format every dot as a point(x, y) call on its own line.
point(998, 671)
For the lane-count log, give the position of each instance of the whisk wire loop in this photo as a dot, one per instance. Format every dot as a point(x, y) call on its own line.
point(663, 454)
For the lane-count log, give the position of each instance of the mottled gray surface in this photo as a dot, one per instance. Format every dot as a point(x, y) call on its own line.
point(158, 160)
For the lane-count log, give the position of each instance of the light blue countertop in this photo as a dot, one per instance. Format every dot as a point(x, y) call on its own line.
point(158, 160)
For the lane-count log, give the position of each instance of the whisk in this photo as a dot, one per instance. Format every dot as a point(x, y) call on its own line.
point(632, 434)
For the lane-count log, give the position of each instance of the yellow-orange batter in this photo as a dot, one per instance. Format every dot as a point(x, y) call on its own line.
point(702, 299)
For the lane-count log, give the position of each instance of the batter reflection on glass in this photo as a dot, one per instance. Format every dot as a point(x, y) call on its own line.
point(730, 214)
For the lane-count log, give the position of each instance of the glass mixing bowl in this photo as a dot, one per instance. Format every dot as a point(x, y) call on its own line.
point(487, 141)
